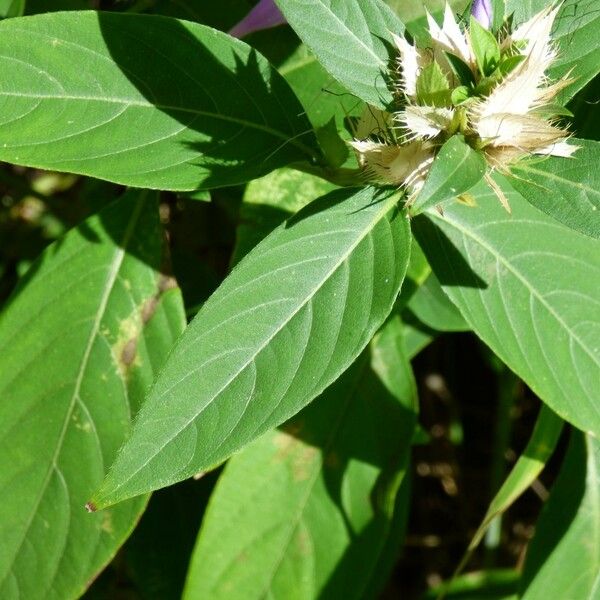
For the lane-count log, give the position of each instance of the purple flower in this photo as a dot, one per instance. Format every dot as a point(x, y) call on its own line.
point(263, 16)
point(483, 12)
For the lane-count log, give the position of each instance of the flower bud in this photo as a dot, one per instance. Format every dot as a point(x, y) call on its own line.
point(483, 12)
point(263, 16)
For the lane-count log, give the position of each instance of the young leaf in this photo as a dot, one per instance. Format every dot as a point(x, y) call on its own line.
point(456, 169)
point(350, 39)
point(563, 556)
point(86, 331)
point(297, 499)
point(144, 101)
point(485, 47)
point(529, 288)
point(290, 318)
point(567, 189)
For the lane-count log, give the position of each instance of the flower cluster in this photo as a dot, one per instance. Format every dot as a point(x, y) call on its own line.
point(490, 88)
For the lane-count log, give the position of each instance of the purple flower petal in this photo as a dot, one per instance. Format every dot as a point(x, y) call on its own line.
point(483, 12)
point(263, 16)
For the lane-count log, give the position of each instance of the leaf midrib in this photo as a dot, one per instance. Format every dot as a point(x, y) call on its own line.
point(163, 107)
point(388, 204)
point(108, 287)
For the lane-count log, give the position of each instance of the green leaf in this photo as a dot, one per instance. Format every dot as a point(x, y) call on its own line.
point(144, 101)
point(295, 504)
point(530, 464)
point(529, 288)
point(485, 47)
point(567, 189)
point(11, 8)
point(576, 34)
point(290, 318)
point(333, 146)
point(322, 97)
point(430, 305)
point(563, 556)
point(350, 39)
point(269, 201)
point(87, 329)
point(456, 169)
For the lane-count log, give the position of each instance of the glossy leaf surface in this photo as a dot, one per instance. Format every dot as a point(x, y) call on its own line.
point(289, 319)
point(87, 329)
point(351, 40)
point(144, 101)
point(529, 288)
point(307, 510)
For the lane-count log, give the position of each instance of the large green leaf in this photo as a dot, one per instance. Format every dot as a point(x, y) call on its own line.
point(306, 511)
point(456, 169)
point(564, 556)
point(576, 33)
point(529, 288)
point(83, 338)
point(352, 41)
point(143, 100)
point(290, 318)
point(567, 189)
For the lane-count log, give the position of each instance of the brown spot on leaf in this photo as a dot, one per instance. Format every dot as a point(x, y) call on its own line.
point(129, 351)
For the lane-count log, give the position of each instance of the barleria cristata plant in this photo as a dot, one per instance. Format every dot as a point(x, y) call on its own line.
point(340, 191)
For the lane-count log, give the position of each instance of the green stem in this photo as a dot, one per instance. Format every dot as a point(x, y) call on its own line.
point(507, 387)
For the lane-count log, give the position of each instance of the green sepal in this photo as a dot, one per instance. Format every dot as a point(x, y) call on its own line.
point(553, 110)
point(433, 87)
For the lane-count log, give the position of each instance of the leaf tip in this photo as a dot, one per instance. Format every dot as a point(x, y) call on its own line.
point(91, 507)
